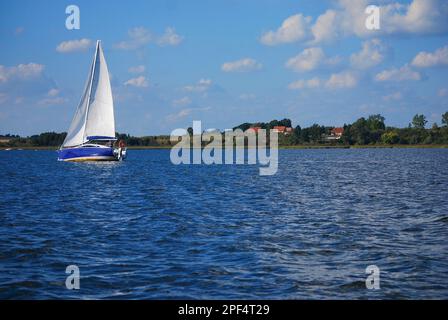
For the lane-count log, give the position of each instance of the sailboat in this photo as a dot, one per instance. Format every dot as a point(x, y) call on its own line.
point(91, 135)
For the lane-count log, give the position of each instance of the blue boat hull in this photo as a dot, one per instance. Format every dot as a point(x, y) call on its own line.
point(86, 154)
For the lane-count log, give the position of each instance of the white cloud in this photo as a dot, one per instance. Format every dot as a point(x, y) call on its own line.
point(140, 82)
point(21, 71)
point(428, 59)
point(342, 80)
point(201, 86)
point(138, 37)
point(345, 79)
point(170, 38)
point(181, 114)
point(372, 53)
point(184, 113)
point(443, 92)
point(52, 98)
point(185, 101)
point(74, 45)
point(247, 96)
point(420, 17)
point(310, 59)
point(53, 92)
point(243, 65)
point(402, 74)
point(52, 101)
point(137, 69)
point(393, 96)
point(325, 30)
point(301, 84)
point(294, 28)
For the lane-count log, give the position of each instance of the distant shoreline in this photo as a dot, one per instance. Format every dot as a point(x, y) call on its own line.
point(398, 146)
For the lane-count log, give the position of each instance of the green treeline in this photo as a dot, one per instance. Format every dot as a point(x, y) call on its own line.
point(364, 131)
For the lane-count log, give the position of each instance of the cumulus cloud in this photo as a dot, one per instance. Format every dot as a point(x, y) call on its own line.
point(420, 17)
point(185, 113)
point(179, 115)
point(301, 84)
point(243, 65)
point(52, 98)
point(372, 53)
point(74, 45)
point(137, 69)
point(21, 72)
point(341, 80)
point(345, 79)
point(139, 82)
point(247, 96)
point(138, 37)
point(294, 28)
point(53, 92)
point(185, 101)
point(201, 86)
point(310, 59)
point(393, 96)
point(402, 74)
point(170, 38)
point(427, 59)
point(52, 101)
point(443, 92)
point(324, 29)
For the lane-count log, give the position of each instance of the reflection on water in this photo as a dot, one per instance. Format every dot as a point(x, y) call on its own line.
point(145, 228)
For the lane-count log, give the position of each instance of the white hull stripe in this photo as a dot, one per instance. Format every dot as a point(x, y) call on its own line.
point(94, 158)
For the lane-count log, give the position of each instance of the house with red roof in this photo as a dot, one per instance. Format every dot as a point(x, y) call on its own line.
point(336, 133)
point(283, 129)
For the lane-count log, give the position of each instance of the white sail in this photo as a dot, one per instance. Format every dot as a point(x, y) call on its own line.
point(95, 113)
point(75, 133)
point(100, 116)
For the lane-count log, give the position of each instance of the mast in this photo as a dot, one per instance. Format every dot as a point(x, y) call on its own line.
point(98, 42)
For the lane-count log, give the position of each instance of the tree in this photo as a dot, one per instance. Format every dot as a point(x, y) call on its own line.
point(359, 132)
point(390, 137)
point(297, 134)
point(376, 122)
point(315, 132)
point(285, 122)
point(445, 119)
point(419, 121)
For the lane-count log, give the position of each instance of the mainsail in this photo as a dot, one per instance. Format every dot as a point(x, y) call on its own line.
point(95, 113)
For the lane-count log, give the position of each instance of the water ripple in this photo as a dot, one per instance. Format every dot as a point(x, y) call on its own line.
point(146, 229)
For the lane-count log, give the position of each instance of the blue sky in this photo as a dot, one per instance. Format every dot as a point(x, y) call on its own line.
point(224, 62)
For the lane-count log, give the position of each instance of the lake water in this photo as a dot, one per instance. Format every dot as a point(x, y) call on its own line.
point(147, 229)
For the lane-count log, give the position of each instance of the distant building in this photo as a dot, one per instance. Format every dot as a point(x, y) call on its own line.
point(338, 132)
point(283, 129)
point(255, 129)
point(280, 129)
point(335, 133)
point(4, 139)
